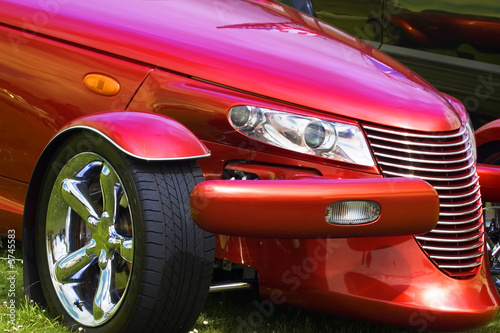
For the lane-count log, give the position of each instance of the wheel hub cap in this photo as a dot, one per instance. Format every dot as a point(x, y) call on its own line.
point(89, 239)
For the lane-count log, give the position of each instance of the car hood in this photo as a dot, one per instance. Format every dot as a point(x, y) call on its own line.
point(258, 46)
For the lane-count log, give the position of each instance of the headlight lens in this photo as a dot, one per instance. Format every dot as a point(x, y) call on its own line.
point(307, 135)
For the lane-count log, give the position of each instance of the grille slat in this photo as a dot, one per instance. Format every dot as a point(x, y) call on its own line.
point(472, 256)
point(394, 131)
point(445, 160)
point(461, 266)
point(473, 182)
point(471, 202)
point(457, 231)
point(441, 170)
point(458, 222)
point(412, 151)
point(437, 179)
point(448, 240)
point(416, 143)
point(452, 248)
point(462, 213)
point(421, 160)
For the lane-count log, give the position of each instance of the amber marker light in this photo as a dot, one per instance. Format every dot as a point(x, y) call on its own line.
point(101, 84)
point(352, 212)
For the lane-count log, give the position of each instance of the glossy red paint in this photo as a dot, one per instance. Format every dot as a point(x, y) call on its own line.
point(12, 196)
point(296, 208)
point(489, 179)
point(488, 133)
point(274, 64)
point(391, 279)
point(41, 91)
point(203, 108)
point(344, 275)
point(133, 132)
point(192, 61)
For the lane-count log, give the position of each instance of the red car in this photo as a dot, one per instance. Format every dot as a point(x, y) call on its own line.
point(149, 145)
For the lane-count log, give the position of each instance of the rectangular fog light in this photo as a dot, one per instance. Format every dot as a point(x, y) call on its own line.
point(352, 212)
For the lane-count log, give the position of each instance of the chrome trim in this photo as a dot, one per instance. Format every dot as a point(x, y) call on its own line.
point(456, 231)
point(418, 160)
point(414, 168)
point(445, 160)
point(466, 248)
point(449, 240)
point(471, 211)
point(459, 222)
point(472, 256)
point(416, 135)
point(471, 202)
point(419, 152)
point(220, 287)
point(449, 179)
point(419, 144)
point(473, 182)
point(461, 266)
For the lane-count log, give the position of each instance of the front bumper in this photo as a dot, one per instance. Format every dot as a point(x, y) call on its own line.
point(296, 208)
point(382, 279)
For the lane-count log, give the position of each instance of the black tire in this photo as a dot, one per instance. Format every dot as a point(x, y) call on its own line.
point(116, 245)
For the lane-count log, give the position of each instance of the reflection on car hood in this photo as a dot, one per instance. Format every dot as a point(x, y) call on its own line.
point(256, 46)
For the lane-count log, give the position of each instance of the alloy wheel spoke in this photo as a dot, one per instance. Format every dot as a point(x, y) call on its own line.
point(127, 249)
point(110, 187)
point(67, 267)
point(102, 299)
point(76, 195)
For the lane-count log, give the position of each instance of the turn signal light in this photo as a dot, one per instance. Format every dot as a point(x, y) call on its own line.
point(352, 212)
point(101, 84)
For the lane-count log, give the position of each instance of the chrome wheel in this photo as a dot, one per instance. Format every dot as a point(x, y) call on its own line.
point(116, 247)
point(89, 238)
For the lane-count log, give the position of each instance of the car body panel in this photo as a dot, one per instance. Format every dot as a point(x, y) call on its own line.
point(12, 197)
point(38, 74)
point(216, 39)
point(380, 271)
point(133, 132)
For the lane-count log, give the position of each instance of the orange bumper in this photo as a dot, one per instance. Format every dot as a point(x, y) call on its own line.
point(296, 208)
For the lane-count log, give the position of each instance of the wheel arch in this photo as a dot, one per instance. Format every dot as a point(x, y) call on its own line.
point(130, 132)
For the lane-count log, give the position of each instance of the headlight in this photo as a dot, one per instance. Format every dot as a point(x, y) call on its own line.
point(472, 138)
point(307, 135)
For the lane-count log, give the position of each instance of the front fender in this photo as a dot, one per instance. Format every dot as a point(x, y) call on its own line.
point(146, 136)
point(143, 135)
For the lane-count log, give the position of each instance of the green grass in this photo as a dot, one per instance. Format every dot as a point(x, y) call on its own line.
point(225, 312)
point(26, 316)
point(230, 312)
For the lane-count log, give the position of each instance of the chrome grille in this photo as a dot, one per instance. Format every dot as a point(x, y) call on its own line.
point(445, 160)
